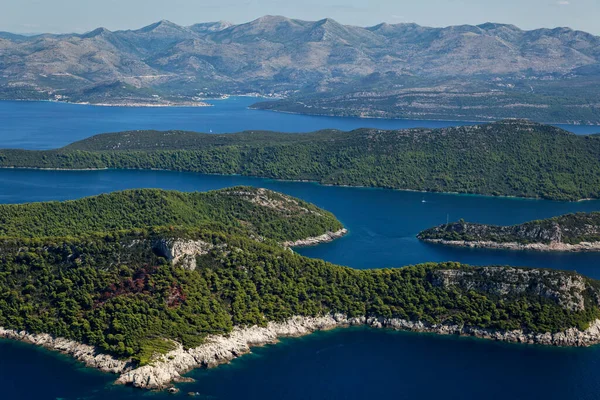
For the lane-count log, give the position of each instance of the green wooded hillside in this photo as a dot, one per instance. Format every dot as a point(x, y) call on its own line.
point(513, 158)
point(104, 279)
point(113, 291)
point(263, 212)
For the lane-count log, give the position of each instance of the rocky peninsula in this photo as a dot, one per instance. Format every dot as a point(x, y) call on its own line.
point(571, 232)
point(149, 284)
point(218, 350)
point(313, 241)
point(169, 368)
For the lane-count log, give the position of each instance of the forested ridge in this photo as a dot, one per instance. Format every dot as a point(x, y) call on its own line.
point(262, 212)
point(114, 292)
point(512, 158)
point(109, 286)
point(570, 229)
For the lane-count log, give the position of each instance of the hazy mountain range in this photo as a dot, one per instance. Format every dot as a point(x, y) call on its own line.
point(320, 67)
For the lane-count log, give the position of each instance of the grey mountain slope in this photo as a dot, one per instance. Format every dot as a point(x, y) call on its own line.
point(209, 27)
point(274, 54)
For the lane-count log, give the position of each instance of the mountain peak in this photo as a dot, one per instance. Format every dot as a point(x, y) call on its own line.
point(161, 25)
point(15, 36)
point(385, 26)
point(487, 26)
point(271, 19)
point(210, 27)
point(269, 27)
point(328, 22)
point(382, 25)
point(96, 32)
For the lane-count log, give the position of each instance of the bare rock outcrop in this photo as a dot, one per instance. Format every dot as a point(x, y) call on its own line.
point(552, 246)
point(572, 337)
point(269, 199)
point(313, 241)
point(182, 252)
point(566, 289)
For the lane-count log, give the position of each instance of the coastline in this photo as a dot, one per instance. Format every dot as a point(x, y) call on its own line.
point(133, 104)
point(87, 354)
point(142, 104)
point(315, 240)
point(199, 102)
point(220, 349)
point(552, 247)
point(367, 117)
point(203, 103)
point(59, 169)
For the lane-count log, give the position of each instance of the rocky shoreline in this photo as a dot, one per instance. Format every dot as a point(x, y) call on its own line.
point(222, 349)
point(219, 349)
point(553, 246)
point(313, 241)
point(144, 104)
point(87, 354)
point(168, 368)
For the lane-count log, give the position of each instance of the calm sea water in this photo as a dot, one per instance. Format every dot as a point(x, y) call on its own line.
point(383, 224)
point(44, 125)
point(343, 364)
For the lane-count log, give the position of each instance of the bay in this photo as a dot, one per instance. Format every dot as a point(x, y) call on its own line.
point(46, 125)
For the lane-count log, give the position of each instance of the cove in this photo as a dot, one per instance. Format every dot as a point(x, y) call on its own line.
point(382, 223)
point(46, 125)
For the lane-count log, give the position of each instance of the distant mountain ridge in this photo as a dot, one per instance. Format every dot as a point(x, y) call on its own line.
point(274, 55)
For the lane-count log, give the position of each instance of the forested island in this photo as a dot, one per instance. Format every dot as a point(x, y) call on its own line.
point(149, 284)
point(571, 232)
point(508, 158)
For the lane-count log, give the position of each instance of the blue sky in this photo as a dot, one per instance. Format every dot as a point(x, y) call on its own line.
point(84, 15)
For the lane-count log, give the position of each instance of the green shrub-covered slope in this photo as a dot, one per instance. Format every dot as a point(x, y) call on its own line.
point(510, 158)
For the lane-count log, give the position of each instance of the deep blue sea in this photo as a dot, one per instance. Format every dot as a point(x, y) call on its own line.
point(44, 125)
point(383, 224)
point(342, 364)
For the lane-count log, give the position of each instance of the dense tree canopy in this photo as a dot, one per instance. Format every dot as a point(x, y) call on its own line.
point(106, 284)
point(114, 292)
point(262, 212)
point(515, 158)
